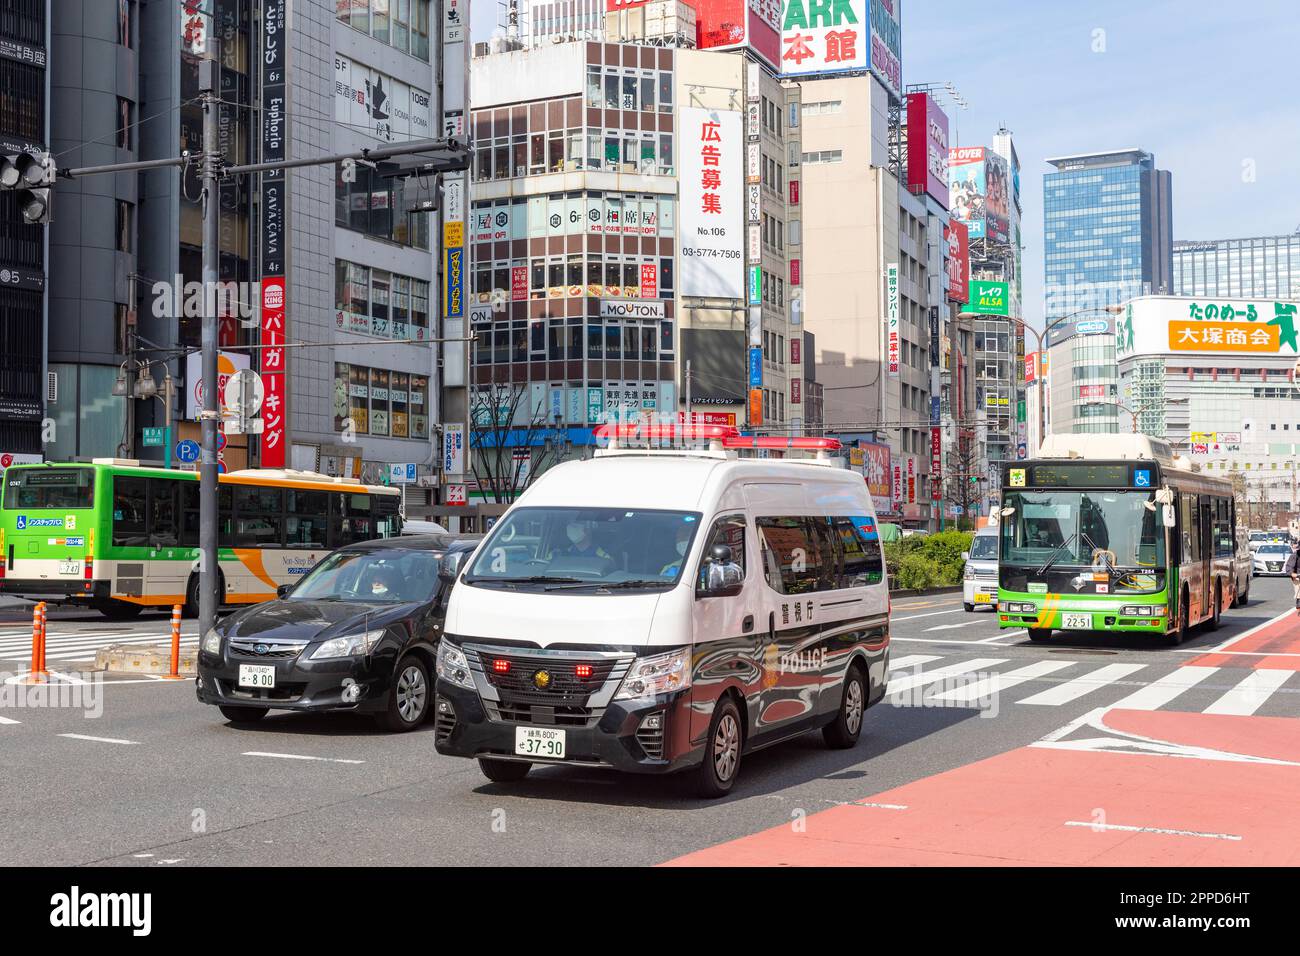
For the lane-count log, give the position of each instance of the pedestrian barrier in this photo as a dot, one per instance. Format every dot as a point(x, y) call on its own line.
point(175, 672)
point(38, 674)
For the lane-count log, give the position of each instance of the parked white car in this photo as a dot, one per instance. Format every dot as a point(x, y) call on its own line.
point(980, 577)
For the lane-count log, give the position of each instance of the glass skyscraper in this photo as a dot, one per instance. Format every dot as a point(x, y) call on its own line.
point(1108, 236)
point(1108, 230)
point(1267, 267)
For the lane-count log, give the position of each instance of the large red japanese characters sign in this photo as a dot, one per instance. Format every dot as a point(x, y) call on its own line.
point(712, 208)
point(832, 36)
point(273, 406)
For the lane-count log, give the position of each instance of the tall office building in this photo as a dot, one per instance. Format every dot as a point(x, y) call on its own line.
point(1258, 268)
point(1108, 236)
point(24, 121)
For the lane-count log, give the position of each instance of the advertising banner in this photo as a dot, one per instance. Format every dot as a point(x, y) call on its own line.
point(891, 312)
point(997, 198)
point(1154, 325)
point(927, 147)
point(273, 233)
point(967, 188)
point(711, 239)
point(649, 281)
point(989, 298)
point(372, 102)
point(823, 37)
point(957, 237)
point(453, 449)
point(875, 469)
point(936, 463)
point(728, 24)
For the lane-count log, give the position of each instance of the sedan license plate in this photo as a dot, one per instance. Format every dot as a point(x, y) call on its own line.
point(539, 742)
point(69, 567)
point(1077, 622)
point(256, 675)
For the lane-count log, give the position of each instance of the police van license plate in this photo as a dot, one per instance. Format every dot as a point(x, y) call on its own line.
point(1077, 622)
point(256, 675)
point(540, 742)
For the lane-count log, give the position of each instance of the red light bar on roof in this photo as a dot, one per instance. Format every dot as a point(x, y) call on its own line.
point(646, 433)
point(773, 441)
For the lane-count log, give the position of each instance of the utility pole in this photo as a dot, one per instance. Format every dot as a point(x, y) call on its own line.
point(208, 579)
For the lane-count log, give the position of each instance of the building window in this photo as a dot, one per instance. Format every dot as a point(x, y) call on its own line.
point(124, 233)
point(125, 131)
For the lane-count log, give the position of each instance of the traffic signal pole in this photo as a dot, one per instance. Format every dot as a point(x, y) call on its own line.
point(437, 155)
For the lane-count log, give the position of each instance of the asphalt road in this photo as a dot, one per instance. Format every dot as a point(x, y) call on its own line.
point(156, 779)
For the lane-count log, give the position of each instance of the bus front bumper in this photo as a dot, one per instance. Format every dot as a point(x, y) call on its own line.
point(1076, 615)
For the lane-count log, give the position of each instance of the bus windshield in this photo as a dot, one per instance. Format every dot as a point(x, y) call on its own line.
point(59, 488)
point(1076, 526)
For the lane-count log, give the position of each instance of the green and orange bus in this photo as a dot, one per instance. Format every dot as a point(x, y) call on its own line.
point(120, 536)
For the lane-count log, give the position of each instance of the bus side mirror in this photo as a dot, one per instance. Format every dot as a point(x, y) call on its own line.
point(1168, 515)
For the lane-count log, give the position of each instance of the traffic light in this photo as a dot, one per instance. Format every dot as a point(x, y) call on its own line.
point(32, 175)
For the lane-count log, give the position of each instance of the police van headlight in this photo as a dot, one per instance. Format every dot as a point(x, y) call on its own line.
point(212, 641)
point(659, 674)
point(452, 666)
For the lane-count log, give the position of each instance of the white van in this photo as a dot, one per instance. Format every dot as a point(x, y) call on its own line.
point(979, 583)
point(654, 611)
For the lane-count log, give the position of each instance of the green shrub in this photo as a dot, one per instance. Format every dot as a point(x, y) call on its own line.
point(916, 572)
point(927, 562)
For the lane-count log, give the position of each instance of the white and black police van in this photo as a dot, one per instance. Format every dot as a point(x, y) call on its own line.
point(663, 609)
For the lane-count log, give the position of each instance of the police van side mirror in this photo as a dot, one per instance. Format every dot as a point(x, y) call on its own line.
point(720, 576)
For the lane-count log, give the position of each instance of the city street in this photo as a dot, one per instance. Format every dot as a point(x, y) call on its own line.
point(991, 750)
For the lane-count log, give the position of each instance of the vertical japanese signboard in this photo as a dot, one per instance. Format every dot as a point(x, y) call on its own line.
point(712, 204)
point(927, 147)
point(891, 313)
point(956, 235)
point(936, 463)
point(274, 221)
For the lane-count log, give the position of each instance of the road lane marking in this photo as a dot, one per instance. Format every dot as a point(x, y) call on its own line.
point(1166, 830)
point(262, 753)
point(1249, 695)
point(6, 720)
point(913, 617)
point(1073, 690)
point(913, 660)
point(939, 673)
point(950, 627)
point(996, 683)
point(1161, 691)
point(100, 740)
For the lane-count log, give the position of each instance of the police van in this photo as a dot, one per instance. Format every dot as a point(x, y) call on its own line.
point(667, 609)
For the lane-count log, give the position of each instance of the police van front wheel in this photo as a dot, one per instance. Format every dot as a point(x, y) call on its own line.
point(843, 732)
point(722, 747)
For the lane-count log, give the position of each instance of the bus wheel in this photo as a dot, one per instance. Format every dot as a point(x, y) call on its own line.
point(1243, 596)
point(843, 732)
point(1218, 608)
point(191, 607)
point(1179, 634)
point(116, 610)
point(722, 748)
point(1039, 635)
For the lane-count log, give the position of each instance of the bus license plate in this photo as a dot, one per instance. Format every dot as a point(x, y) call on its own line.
point(1077, 622)
point(539, 742)
point(69, 567)
point(256, 675)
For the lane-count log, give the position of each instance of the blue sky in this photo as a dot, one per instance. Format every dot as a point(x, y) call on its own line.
point(1205, 85)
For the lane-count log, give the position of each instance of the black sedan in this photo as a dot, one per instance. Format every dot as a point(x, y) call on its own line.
point(359, 632)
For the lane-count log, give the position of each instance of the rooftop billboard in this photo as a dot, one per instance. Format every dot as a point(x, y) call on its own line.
point(839, 36)
point(927, 147)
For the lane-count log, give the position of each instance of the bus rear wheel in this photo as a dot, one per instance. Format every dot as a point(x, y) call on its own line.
point(116, 610)
point(191, 607)
point(1218, 608)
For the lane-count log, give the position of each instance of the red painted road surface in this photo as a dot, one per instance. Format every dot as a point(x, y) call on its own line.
point(1265, 648)
point(1036, 806)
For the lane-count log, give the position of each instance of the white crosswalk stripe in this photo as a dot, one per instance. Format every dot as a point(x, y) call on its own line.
point(914, 672)
point(996, 683)
point(82, 645)
point(1072, 690)
point(1249, 695)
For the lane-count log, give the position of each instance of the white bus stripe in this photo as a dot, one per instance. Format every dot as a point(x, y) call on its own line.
point(1162, 691)
point(1249, 695)
point(995, 683)
point(1073, 690)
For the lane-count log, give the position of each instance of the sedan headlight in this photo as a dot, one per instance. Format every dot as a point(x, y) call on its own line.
point(212, 641)
point(452, 666)
point(659, 674)
point(349, 645)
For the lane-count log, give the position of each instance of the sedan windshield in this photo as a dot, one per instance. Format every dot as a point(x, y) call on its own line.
point(1082, 528)
point(576, 548)
point(1274, 549)
point(372, 577)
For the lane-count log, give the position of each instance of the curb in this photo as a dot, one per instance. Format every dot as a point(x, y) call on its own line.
point(949, 589)
point(155, 659)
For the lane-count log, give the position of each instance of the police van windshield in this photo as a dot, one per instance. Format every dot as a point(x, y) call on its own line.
point(577, 548)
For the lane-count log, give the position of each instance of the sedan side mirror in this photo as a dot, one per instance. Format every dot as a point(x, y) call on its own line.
point(283, 591)
point(449, 565)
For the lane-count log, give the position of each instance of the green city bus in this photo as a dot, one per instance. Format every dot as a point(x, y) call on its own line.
point(120, 536)
point(1113, 533)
